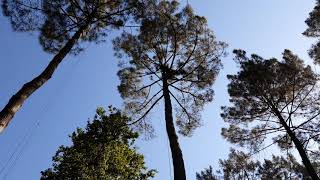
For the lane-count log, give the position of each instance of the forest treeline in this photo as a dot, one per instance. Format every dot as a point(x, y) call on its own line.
point(172, 56)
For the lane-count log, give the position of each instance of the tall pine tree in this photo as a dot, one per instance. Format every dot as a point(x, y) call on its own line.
point(63, 26)
point(275, 101)
point(175, 57)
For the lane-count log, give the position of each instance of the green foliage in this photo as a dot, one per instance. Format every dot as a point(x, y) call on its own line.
point(58, 20)
point(173, 46)
point(240, 166)
point(283, 168)
point(313, 30)
point(63, 26)
point(265, 90)
point(104, 150)
point(206, 174)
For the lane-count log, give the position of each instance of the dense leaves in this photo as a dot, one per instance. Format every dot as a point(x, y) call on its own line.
point(104, 150)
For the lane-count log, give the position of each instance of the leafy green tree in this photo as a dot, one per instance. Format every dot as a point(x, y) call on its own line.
point(173, 55)
point(313, 31)
point(63, 27)
point(273, 100)
point(240, 166)
point(103, 150)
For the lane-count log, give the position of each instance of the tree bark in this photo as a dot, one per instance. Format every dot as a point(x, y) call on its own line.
point(17, 100)
point(305, 159)
point(177, 158)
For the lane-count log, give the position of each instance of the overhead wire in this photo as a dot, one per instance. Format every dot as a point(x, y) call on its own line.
point(23, 143)
point(168, 149)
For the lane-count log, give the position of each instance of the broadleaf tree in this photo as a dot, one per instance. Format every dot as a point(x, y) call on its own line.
point(63, 26)
point(274, 101)
point(103, 150)
point(173, 56)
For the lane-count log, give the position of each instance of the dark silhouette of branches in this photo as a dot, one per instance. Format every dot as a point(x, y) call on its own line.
point(173, 52)
point(63, 27)
point(272, 100)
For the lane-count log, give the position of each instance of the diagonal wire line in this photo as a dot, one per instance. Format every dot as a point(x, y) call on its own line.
point(22, 145)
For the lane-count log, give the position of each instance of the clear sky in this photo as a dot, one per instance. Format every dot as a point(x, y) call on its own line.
point(84, 82)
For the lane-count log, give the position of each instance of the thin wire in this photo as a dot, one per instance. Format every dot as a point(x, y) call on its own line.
point(18, 156)
point(169, 157)
point(168, 148)
point(21, 146)
point(12, 155)
point(288, 157)
point(21, 143)
point(30, 132)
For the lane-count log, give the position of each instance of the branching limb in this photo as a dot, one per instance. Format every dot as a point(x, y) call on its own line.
point(145, 104)
point(147, 86)
point(147, 112)
point(183, 108)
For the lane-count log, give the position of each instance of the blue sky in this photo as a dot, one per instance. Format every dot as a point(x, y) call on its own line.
point(84, 82)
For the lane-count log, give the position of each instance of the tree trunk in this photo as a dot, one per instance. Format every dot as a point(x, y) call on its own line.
point(305, 159)
point(17, 100)
point(177, 158)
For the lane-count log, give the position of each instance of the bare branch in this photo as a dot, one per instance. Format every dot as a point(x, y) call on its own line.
point(183, 108)
point(147, 112)
point(149, 85)
point(145, 104)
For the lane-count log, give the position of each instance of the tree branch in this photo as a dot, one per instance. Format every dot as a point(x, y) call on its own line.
point(183, 108)
point(146, 113)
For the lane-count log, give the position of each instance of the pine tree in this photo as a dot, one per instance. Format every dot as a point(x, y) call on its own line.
point(240, 166)
point(313, 31)
point(275, 101)
point(63, 26)
point(175, 57)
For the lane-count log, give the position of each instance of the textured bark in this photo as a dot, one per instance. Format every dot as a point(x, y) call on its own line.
point(17, 100)
point(177, 158)
point(305, 159)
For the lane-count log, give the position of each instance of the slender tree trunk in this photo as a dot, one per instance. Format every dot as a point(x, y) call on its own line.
point(177, 158)
point(305, 159)
point(17, 100)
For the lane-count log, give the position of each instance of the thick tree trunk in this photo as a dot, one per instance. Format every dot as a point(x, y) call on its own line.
point(305, 159)
point(177, 158)
point(17, 100)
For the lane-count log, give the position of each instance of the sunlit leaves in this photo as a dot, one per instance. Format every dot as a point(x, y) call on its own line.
point(103, 150)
